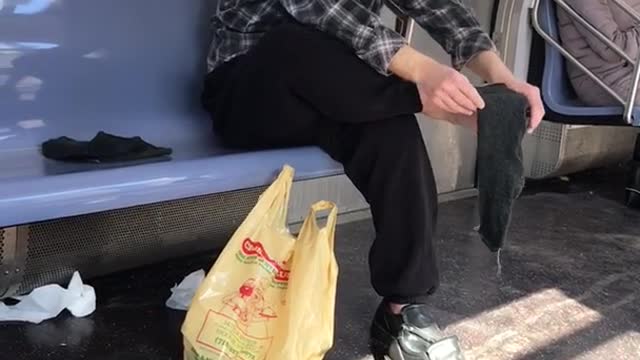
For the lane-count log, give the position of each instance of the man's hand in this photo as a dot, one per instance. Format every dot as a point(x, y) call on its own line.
point(490, 67)
point(532, 94)
point(444, 92)
point(448, 95)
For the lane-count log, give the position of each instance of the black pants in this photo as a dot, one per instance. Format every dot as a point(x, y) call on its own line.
point(299, 86)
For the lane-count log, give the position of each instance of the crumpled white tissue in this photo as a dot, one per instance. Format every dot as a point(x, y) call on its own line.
point(47, 302)
point(182, 294)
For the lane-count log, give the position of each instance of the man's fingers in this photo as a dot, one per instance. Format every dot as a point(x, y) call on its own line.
point(537, 110)
point(536, 119)
point(453, 107)
point(447, 107)
point(472, 94)
point(444, 108)
point(461, 99)
point(440, 111)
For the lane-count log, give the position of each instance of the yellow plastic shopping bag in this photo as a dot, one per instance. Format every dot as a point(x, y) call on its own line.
point(307, 323)
point(269, 295)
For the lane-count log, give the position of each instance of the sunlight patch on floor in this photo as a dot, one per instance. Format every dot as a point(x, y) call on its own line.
point(533, 322)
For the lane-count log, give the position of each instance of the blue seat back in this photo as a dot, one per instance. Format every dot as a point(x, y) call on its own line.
point(556, 86)
point(562, 103)
point(74, 67)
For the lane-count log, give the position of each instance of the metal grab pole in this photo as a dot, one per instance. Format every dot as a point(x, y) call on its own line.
point(630, 106)
point(404, 23)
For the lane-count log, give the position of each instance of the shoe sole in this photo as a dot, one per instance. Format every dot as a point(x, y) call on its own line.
point(379, 342)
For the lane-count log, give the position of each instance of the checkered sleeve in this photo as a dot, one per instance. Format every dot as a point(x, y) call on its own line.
point(453, 25)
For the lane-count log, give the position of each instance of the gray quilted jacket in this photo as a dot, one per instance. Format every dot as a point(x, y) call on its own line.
point(604, 62)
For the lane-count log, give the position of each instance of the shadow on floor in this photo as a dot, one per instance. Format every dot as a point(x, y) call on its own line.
point(570, 289)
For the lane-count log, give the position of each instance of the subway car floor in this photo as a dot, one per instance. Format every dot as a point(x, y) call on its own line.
point(569, 288)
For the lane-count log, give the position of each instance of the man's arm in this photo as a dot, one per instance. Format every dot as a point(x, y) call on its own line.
point(452, 24)
point(489, 66)
point(387, 51)
point(444, 92)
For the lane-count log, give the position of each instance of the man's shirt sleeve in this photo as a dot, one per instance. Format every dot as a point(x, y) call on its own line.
point(452, 24)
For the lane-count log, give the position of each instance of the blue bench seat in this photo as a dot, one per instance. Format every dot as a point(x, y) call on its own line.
point(129, 68)
point(44, 190)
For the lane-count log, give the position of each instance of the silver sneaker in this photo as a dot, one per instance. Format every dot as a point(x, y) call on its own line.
point(418, 337)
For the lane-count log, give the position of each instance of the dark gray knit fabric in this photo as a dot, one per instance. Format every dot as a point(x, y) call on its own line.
point(501, 128)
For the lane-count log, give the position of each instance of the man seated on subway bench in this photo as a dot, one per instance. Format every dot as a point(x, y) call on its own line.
point(329, 73)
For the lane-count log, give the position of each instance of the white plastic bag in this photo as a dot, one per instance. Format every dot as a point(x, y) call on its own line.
point(49, 301)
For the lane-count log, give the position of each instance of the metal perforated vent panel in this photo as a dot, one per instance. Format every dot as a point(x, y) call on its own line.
point(549, 132)
point(540, 168)
point(105, 242)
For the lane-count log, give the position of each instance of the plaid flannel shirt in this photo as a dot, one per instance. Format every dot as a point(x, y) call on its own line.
point(239, 24)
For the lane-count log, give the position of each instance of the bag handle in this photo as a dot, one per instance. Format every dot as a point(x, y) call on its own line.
point(282, 202)
point(332, 218)
point(275, 200)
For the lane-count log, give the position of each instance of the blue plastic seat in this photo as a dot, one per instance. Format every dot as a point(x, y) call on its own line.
point(76, 67)
point(562, 103)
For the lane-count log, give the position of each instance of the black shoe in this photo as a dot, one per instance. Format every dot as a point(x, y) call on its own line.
point(412, 335)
